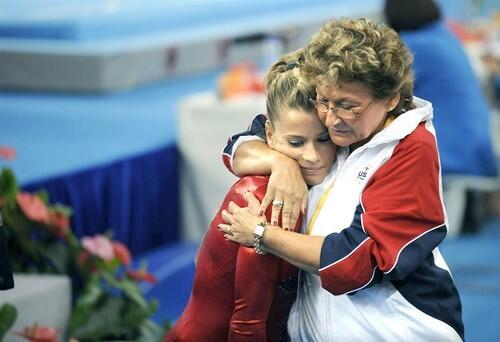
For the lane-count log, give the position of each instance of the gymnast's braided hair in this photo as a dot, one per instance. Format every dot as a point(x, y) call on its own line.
point(286, 88)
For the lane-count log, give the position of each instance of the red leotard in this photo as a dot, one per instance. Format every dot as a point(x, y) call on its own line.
point(237, 294)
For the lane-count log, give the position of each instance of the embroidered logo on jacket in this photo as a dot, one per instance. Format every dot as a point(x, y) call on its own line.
point(362, 174)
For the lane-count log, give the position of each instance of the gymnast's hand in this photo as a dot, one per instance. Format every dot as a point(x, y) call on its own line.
point(241, 222)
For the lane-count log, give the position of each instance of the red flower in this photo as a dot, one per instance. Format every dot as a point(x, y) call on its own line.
point(83, 260)
point(121, 253)
point(142, 275)
point(60, 222)
point(7, 153)
point(82, 257)
point(33, 207)
point(40, 334)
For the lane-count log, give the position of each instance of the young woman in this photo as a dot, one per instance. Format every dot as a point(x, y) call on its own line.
point(239, 294)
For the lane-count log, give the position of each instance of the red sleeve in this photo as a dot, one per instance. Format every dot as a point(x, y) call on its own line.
point(255, 280)
point(257, 277)
point(398, 223)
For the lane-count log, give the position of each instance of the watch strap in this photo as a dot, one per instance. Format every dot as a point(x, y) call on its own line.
point(258, 233)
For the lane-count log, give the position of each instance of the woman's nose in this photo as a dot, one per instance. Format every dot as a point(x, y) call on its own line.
point(311, 155)
point(331, 119)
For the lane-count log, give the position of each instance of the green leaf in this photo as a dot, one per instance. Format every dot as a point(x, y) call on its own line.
point(133, 291)
point(15, 220)
point(8, 185)
point(112, 265)
point(134, 315)
point(57, 255)
point(104, 322)
point(91, 293)
point(129, 288)
point(43, 195)
point(153, 305)
point(86, 303)
point(111, 279)
point(26, 253)
point(8, 315)
point(73, 243)
point(166, 325)
point(65, 210)
point(150, 331)
point(109, 234)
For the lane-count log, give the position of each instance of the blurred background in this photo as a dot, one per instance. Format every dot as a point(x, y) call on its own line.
point(120, 109)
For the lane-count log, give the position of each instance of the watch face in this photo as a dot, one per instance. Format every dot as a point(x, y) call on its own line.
point(259, 230)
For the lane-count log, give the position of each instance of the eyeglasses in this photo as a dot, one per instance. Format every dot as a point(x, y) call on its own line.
point(339, 110)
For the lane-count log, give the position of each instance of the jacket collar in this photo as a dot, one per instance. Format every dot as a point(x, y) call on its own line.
point(403, 125)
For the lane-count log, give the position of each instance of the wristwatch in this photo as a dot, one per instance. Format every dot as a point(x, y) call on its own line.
point(258, 233)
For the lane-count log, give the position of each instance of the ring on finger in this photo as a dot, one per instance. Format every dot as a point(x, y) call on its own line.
point(230, 230)
point(278, 203)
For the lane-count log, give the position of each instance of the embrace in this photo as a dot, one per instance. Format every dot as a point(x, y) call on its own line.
point(337, 238)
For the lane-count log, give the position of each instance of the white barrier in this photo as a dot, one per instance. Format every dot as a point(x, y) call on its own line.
point(39, 299)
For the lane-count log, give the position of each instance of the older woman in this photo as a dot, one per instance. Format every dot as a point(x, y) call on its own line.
point(370, 244)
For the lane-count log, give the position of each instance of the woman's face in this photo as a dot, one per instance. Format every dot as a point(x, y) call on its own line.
point(371, 113)
point(301, 136)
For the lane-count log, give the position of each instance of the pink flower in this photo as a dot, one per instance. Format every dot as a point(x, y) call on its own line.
point(40, 334)
point(33, 207)
point(100, 246)
point(121, 253)
point(7, 153)
point(142, 275)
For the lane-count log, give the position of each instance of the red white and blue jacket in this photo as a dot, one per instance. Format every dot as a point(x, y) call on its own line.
point(382, 276)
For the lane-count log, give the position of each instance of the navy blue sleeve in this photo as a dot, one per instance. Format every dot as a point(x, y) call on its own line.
point(256, 129)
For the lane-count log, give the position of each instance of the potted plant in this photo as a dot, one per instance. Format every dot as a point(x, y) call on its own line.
point(107, 301)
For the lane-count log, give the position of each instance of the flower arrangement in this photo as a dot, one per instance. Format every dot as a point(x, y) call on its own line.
point(107, 301)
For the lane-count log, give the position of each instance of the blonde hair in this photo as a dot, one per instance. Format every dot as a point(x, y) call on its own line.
point(347, 50)
point(286, 88)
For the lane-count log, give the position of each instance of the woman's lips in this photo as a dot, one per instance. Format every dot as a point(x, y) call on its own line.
point(311, 170)
point(340, 131)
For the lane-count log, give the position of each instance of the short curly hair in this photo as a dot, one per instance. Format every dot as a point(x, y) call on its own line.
point(347, 50)
point(286, 88)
